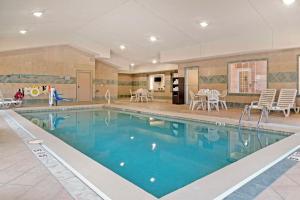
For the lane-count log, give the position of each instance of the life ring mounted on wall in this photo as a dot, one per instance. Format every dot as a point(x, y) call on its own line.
point(35, 92)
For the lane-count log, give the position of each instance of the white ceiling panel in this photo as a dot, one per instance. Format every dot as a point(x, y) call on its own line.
point(102, 26)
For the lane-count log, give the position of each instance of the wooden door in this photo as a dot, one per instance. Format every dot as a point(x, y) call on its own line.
point(84, 86)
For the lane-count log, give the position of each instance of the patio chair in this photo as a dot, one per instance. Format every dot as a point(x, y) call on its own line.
point(222, 99)
point(194, 101)
point(213, 100)
point(286, 101)
point(142, 94)
point(132, 96)
point(151, 95)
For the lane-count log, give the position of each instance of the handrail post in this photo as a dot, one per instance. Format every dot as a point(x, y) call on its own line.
point(107, 96)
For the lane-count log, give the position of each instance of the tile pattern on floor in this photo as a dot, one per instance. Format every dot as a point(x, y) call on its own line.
point(42, 178)
point(252, 189)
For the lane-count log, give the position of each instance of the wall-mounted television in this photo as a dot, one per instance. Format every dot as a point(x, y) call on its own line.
point(157, 79)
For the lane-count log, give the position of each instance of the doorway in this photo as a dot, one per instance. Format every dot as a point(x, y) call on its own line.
point(191, 82)
point(84, 86)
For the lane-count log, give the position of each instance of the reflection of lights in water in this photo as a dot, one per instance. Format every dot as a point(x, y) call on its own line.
point(246, 143)
point(152, 179)
point(132, 137)
point(151, 118)
point(153, 146)
point(122, 164)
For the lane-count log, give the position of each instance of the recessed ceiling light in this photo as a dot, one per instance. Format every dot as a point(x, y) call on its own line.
point(203, 24)
point(23, 32)
point(122, 47)
point(154, 61)
point(153, 38)
point(288, 2)
point(132, 65)
point(37, 13)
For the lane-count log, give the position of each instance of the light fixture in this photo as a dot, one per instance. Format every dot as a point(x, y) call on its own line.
point(153, 38)
point(122, 47)
point(132, 65)
point(122, 164)
point(288, 2)
point(132, 137)
point(37, 13)
point(154, 61)
point(23, 31)
point(203, 24)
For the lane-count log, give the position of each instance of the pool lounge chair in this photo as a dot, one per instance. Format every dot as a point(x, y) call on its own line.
point(266, 99)
point(286, 101)
point(7, 102)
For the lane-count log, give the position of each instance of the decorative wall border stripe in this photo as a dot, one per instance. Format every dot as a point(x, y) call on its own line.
point(36, 78)
point(282, 77)
point(105, 82)
point(213, 79)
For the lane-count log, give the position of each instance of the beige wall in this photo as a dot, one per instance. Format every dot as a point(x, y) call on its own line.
point(135, 81)
point(57, 66)
point(282, 70)
point(124, 84)
point(106, 77)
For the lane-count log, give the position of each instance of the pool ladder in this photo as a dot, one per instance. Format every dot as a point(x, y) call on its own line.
point(107, 96)
point(264, 114)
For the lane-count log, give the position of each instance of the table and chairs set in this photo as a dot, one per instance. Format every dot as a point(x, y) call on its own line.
point(208, 99)
point(141, 95)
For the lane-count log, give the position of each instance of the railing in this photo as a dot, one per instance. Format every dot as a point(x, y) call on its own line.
point(264, 114)
point(245, 111)
point(107, 96)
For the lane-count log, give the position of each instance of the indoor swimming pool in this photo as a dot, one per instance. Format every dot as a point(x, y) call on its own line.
point(158, 154)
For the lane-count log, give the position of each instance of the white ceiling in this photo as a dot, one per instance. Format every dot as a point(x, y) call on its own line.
point(100, 26)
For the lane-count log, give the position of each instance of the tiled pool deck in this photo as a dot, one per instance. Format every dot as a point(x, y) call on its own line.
point(279, 182)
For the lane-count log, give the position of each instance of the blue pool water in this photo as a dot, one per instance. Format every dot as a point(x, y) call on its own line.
point(160, 155)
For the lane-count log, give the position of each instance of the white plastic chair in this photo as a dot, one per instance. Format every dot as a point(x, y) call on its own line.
point(194, 101)
point(213, 100)
point(142, 94)
point(286, 101)
point(222, 99)
point(151, 95)
point(132, 96)
point(266, 99)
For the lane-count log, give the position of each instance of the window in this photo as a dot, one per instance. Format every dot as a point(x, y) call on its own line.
point(247, 77)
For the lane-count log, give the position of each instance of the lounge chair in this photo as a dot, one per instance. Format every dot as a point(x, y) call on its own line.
point(7, 102)
point(266, 99)
point(286, 101)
